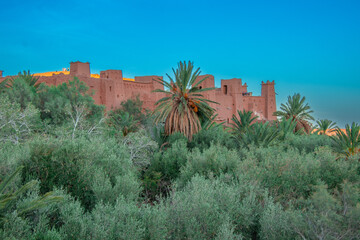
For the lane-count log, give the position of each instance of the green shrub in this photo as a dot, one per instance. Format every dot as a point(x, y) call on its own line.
point(215, 135)
point(288, 175)
point(121, 221)
point(67, 102)
point(329, 216)
point(15, 228)
point(204, 207)
point(134, 107)
point(16, 122)
point(140, 147)
point(70, 217)
point(164, 168)
point(72, 164)
point(169, 162)
point(11, 157)
point(22, 93)
point(155, 218)
point(334, 172)
point(308, 143)
point(274, 222)
point(126, 185)
point(211, 162)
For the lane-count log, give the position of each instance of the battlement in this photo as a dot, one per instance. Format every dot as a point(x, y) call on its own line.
point(268, 82)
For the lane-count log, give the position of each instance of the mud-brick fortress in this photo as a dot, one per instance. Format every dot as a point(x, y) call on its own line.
point(111, 88)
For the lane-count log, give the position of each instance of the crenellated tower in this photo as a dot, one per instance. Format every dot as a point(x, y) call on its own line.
point(268, 92)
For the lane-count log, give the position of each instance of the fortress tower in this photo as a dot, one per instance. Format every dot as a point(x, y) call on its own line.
point(80, 69)
point(268, 92)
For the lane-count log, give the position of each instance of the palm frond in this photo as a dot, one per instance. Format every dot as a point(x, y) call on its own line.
point(183, 108)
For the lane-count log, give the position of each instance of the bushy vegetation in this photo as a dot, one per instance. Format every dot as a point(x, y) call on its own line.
point(68, 171)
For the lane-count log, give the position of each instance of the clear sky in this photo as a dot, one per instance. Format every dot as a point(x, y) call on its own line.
point(310, 47)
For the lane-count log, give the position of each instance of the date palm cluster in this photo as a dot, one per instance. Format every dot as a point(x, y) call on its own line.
point(183, 107)
point(296, 110)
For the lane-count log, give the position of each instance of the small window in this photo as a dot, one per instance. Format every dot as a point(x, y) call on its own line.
point(200, 87)
point(110, 89)
point(225, 89)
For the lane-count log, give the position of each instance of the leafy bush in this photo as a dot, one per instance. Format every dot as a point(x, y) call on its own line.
point(328, 216)
point(169, 162)
point(126, 185)
point(121, 221)
point(72, 164)
point(211, 162)
point(288, 175)
point(11, 157)
point(20, 92)
point(210, 208)
point(334, 172)
point(140, 147)
point(155, 219)
point(69, 217)
point(164, 168)
point(308, 143)
point(134, 107)
point(16, 122)
point(274, 222)
point(70, 103)
point(215, 135)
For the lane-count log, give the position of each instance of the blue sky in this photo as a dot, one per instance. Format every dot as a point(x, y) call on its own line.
point(310, 47)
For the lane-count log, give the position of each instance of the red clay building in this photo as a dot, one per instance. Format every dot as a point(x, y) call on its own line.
point(111, 89)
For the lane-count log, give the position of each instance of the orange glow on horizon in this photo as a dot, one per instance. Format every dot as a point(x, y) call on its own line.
point(93, 75)
point(331, 132)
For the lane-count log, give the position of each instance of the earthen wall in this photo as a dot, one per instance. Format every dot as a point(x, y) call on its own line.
point(110, 89)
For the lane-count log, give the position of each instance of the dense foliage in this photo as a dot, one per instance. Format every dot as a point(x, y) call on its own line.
point(68, 171)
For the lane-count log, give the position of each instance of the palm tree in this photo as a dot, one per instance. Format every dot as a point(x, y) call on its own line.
point(8, 198)
point(123, 122)
point(325, 126)
point(29, 78)
point(298, 111)
point(285, 127)
point(259, 134)
point(244, 121)
point(3, 85)
point(211, 123)
point(347, 143)
point(183, 106)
